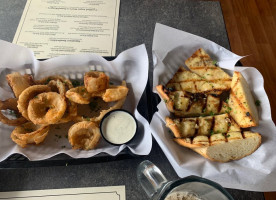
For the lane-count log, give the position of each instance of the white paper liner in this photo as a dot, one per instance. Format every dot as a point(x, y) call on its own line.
point(131, 66)
point(256, 172)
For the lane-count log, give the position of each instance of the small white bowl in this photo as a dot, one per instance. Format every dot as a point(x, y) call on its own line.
point(118, 127)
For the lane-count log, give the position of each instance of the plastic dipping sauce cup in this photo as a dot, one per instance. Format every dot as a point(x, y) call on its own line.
point(118, 127)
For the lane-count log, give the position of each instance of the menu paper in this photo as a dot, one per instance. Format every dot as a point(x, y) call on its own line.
point(256, 172)
point(95, 193)
point(53, 28)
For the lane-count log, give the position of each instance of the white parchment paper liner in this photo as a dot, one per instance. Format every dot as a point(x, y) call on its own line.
point(131, 65)
point(256, 172)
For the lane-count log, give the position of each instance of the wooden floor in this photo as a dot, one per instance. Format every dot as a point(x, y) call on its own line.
point(251, 28)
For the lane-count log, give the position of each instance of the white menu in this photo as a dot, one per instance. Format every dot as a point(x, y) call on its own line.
point(95, 193)
point(57, 27)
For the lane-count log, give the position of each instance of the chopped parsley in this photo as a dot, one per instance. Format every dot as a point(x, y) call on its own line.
point(212, 113)
point(76, 83)
point(257, 102)
point(215, 62)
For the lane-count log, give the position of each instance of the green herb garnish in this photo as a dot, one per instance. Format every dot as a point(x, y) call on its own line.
point(257, 102)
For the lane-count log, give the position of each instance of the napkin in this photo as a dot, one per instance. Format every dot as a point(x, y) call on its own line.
point(131, 66)
point(171, 47)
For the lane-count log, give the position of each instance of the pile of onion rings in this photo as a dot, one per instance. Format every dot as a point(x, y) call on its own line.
point(39, 104)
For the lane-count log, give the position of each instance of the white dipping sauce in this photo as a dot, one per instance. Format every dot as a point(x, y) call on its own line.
point(118, 127)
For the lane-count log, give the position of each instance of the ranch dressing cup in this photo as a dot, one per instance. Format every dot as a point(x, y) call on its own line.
point(158, 187)
point(118, 127)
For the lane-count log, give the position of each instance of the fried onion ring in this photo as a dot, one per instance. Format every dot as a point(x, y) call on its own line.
point(79, 95)
point(19, 83)
point(84, 135)
point(95, 81)
point(29, 133)
point(70, 112)
point(57, 86)
point(97, 119)
point(47, 79)
point(28, 94)
point(114, 94)
point(11, 104)
point(46, 108)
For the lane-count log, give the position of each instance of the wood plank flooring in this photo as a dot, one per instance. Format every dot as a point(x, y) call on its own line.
point(251, 28)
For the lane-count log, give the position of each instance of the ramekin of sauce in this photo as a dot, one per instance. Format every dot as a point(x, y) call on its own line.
point(118, 127)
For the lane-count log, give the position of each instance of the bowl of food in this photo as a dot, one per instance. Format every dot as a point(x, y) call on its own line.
point(118, 127)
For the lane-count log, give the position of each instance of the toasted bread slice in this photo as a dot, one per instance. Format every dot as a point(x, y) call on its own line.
point(223, 148)
point(241, 102)
point(201, 126)
point(185, 80)
point(19, 82)
point(202, 64)
point(185, 104)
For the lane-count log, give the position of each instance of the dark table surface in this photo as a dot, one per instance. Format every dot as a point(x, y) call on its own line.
point(136, 25)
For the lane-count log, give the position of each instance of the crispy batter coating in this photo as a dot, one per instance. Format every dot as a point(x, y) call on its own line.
point(28, 94)
point(95, 81)
point(46, 108)
point(11, 104)
point(84, 135)
point(70, 112)
point(57, 86)
point(19, 83)
point(47, 79)
point(97, 119)
point(115, 93)
point(79, 95)
point(29, 133)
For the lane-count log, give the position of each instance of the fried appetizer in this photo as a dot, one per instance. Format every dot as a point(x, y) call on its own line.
point(46, 80)
point(95, 81)
point(11, 105)
point(19, 82)
point(84, 135)
point(118, 104)
point(185, 104)
point(46, 108)
point(70, 113)
point(29, 133)
point(223, 147)
point(206, 126)
point(28, 94)
point(79, 95)
point(184, 80)
point(241, 101)
point(57, 86)
point(115, 93)
point(202, 64)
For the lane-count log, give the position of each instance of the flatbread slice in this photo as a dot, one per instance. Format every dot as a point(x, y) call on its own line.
point(223, 148)
point(241, 102)
point(202, 64)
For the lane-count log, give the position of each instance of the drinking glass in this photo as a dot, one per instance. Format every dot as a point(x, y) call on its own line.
point(158, 187)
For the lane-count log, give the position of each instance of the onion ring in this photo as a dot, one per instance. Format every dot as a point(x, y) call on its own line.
point(19, 83)
point(84, 135)
point(57, 86)
point(70, 112)
point(29, 133)
point(95, 81)
point(11, 104)
point(46, 108)
point(114, 94)
point(79, 95)
point(97, 119)
point(28, 94)
point(47, 79)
